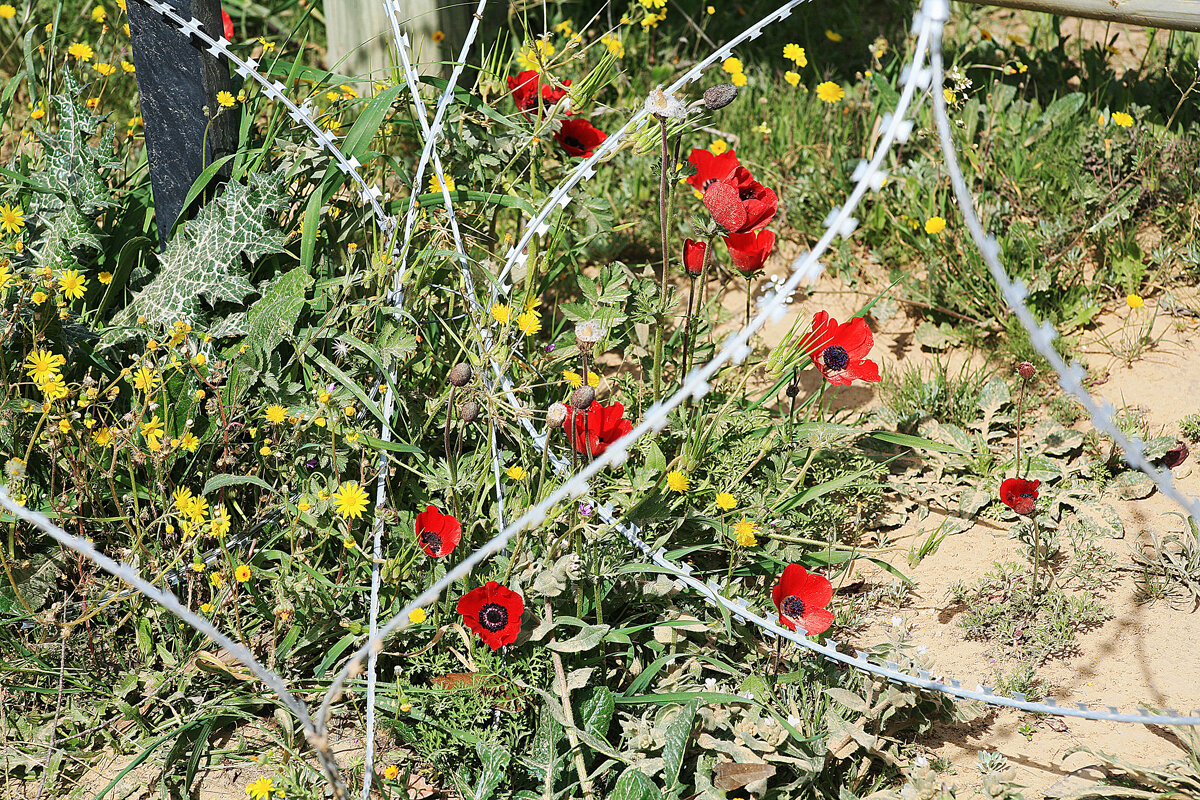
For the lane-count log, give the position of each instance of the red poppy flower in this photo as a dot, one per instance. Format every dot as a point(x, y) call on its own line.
point(525, 88)
point(741, 204)
point(801, 597)
point(839, 350)
point(579, 138)
point(438, 533)
point(591, 433)
point(494, 612)
point(226, 25)
point(1020, 495)
point(693, 256)
point(710, 169)
point(749, 251)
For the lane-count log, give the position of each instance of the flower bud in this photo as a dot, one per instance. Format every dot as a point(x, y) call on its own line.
point(792, 390)
point(693, 256)
point(1026, 370)
point(556, 415)
point(469, 411)
point(583, 397)
point(720, 96)
point(460, 375)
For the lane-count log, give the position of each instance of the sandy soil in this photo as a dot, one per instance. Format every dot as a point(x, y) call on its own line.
point(1136, 658)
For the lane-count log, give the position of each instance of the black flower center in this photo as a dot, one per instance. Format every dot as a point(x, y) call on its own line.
point(748, 193)
point(793, 607)
point(571, 141)
point(493, 616)
point(707, 184)
point(836, 357)
point(432, 541)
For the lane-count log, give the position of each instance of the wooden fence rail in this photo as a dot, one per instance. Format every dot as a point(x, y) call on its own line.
point(1179, 15)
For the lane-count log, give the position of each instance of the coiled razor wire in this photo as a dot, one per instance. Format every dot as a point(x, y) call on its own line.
point(928, 24)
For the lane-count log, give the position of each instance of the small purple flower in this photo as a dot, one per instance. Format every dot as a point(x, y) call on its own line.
point(585, 509)
point(311, 463)
point(550, 348)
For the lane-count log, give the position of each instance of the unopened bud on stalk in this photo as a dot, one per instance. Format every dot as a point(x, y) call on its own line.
point(587, 334)
point(720, 96)
point(792, 390)
point(1026, 370)
point(583, 397)
point(460, 375)
point(556, 415)
point(469, 411)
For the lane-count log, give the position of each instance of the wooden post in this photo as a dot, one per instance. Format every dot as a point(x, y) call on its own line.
point(1178, 15)
point(177, 79)
point(360, 38)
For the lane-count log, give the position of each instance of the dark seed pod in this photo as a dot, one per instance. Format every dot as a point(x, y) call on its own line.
point(792, 390)
point(461, 374)
point(469, 411)
point(583, 397)
point(720, 96)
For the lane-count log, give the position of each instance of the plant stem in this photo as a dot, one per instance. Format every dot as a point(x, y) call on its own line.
point(565, 694)
point(666, 257)
point(1036, 547)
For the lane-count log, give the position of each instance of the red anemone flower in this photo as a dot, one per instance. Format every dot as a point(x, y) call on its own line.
point(1020, 495)
point(438, 533)
point(801, 597)
point(579, 138)
point(749, 251)
point(711, 169)
point(741, 204)
point(592, 432)
point(693, 256)
point(525, 88)
point(839, 350)
point(226, 25)
point(494, 612)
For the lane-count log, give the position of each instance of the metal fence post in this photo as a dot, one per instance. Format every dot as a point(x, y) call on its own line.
point(177, 79)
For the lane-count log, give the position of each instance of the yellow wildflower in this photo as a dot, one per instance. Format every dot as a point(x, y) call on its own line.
point(515, 473)
point(830, 92)
point(677, 481)
point(275, 414)
point(225, 100)
point(1134, 301)
point(80, 51)
point(501, 313)
point(732, 65)
point(12, 218)
point(833, 37)
point(72, 284)
point(792, 78)
point(935, 225)
point(725, 501)
point(744, 533)
point(1122, 119)
point(795, 53)
point(529, 322)
point(350, 501)
point(718, 147)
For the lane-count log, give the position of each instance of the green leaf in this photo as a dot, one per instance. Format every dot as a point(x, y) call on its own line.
point(204, 260)
point(221, 481)
point(917, 442)
point(633, 785)
point(597, 711)
point(494, 759)
point(587, 638)
point(273, 316)
point(131, 254)
point(678, 733)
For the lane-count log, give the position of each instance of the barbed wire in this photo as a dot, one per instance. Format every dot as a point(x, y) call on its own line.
point(928, 25)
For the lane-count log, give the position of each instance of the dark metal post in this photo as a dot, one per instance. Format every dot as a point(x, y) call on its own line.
point(177, 79)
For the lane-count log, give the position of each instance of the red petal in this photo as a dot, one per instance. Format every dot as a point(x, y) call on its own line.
point(866, 371)
point(815, 591)
point(725, 204)
point(855, 336)
point(816, 621)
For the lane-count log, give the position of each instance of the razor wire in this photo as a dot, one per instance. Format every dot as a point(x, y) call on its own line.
point(396, 300)
point(1041, 335)
point(865, 174)
point(929, 23)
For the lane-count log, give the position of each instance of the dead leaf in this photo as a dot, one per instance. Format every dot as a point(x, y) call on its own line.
point(729, 775)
